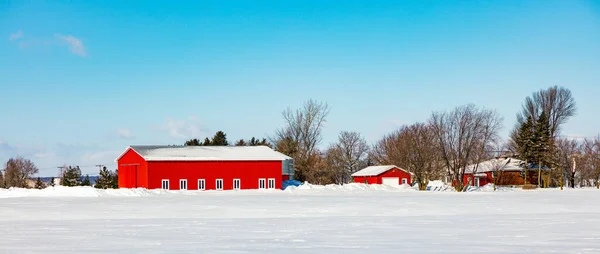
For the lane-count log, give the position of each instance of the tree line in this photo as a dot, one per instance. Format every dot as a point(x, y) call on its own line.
point(443, 146)
point(19, 172)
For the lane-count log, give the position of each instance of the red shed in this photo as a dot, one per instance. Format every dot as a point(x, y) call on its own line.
point(388, 174)
point(203, 167)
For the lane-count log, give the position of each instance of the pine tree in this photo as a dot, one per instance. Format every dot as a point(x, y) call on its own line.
point(241, 142)
point(544, 143)
point(115, 179)
point(71, 177)
point(52, 181)
point(206, 142)
point(220, 139)
point(525, 144)
point(86, 181)
point(193, 142)
point(1, 180)
point(39, 184)
point(105, 179)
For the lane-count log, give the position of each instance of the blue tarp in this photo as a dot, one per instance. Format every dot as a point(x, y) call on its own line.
point(287, 183)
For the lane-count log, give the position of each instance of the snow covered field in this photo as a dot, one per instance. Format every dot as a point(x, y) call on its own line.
point(349, 219)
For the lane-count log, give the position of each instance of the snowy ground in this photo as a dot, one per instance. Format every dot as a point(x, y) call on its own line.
point(350, 219)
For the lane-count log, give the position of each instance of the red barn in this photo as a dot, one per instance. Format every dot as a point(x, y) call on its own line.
point(389, 175)
point(203, 167)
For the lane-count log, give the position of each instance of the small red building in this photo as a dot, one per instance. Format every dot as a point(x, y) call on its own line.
point(203, 167)
point(388, 174)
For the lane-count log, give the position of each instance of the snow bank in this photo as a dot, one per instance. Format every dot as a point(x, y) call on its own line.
point(350, 187)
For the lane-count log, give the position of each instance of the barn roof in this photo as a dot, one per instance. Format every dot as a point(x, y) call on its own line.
point(376, 170)
point(207, 153)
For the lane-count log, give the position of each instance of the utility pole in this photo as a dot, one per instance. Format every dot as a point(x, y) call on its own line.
point(99, 167)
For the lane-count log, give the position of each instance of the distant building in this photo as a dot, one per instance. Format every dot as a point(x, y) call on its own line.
point(203, 167)
point(505, 171)
point(387, 174)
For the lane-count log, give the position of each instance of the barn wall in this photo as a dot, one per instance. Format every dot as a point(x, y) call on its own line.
point(395, 172)
point(210, 171)
point(368, 179)
point(128, 174)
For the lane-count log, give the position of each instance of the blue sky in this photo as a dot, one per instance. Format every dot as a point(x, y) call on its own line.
point(81, 80)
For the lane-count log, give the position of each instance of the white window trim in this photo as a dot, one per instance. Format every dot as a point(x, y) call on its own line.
point(476, 182)
point(185, 183)
point(217, 184)
point(203, 184)
point(269, 181)
point(162, 184)
point(264, 181)
point(404, 181)
point(239, 183)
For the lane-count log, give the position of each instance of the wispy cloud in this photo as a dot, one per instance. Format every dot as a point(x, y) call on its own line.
point(16, 36)
point(184, 129)
point(124, 133)
point(75, 45)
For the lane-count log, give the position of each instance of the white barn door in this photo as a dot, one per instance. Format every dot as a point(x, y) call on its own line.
point(394, 181)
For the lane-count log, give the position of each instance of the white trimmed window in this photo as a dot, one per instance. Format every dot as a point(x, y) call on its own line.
point(404, 181)
point(236, 184)
point(262, 183)
point(201, 184)
point(183, 184)
point(476, 181)
point(165, 184)
point(271, 183)
point(219, 184)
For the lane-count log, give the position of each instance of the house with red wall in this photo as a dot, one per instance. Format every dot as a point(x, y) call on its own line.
point(385, 174)
point(203, 167)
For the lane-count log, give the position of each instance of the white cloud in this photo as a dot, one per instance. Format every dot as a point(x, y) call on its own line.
point(75, 45)
point(191, 128)
point(16, 36)
point(124, 133)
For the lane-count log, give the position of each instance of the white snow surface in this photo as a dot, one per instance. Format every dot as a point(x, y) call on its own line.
point(352, 218)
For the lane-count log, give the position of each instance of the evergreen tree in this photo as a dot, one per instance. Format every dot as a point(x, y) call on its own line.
point(71, 177)
point(39, 184)
point(526, 141)
point(52, 181)
point(86, 181)
point(253, 142)
point(193, 142)
point(115, 180)
point(220, 139)
point(2, 180)
point(105, 179)
point(206, 142)
point(543, 141)
point(525, 144)
point(241, 142)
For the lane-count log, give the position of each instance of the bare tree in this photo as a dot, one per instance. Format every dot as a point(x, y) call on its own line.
point(353, 150)
point(413, 148)
point(557, 102)
point(17, 171)
point(592, 158)
point(303, 133)
point(461, 135)
point(569, 153)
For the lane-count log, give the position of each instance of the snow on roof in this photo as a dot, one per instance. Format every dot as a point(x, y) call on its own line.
point(498, 164)
point(207, 153)
point(376, 170)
